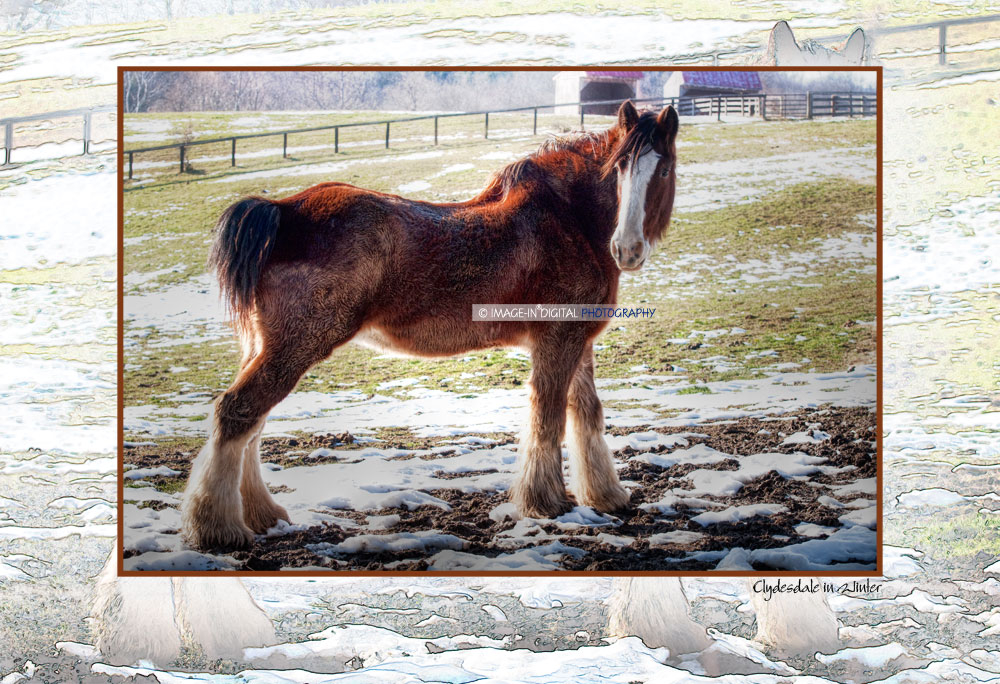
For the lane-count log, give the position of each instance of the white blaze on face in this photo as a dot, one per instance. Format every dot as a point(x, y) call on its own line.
point(633, 183)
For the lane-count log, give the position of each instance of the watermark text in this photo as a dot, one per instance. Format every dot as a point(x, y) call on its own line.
point(559, 312)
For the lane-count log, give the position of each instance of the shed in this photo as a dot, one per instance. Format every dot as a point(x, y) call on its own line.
point(695, 84)
point(584, 86)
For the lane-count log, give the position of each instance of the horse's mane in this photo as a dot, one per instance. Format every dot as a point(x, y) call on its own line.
point(533, 167)
point(637, 141)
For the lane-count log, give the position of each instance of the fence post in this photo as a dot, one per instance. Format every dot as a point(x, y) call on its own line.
point(8, 142)
point(534, 125)
point(336, 139)
point(182, 160)
point(284, 146)
point(386, 135)
point(232, 154)
point(581, 116)
point(86, 132)
point(809, 104)
point(718, 108)
point(942, 38)
point(130, 155)
point(435, 130)
point(486, 128)
point(763, 106)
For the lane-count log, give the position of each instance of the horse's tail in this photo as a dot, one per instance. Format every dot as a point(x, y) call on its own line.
point(244, 237)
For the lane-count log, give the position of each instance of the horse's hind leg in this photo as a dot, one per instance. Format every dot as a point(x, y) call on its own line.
point(220, 615)
point(656, 610)
point(132, 618)
point(260, 511)
point(794, 623)
point(593, 479)
point(213, 511)
point(539, 491)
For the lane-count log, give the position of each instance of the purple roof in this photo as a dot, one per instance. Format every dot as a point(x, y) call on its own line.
point(737, 80)
point(634, 75)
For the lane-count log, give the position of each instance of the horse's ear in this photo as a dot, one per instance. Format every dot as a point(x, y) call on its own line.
point(781, 43)
point(854, 48)
point(667, 124)
point(628, 118)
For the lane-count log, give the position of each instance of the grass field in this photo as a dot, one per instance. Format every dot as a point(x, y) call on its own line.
point(768, 271)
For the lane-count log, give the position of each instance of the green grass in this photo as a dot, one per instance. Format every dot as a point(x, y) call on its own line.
point(967, 535)
point(168, 224)
point(962, 351)
point(695, 389)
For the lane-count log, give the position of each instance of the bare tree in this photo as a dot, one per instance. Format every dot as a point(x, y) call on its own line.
point(326, 90)
point(23, 15)
point(246, 90)
point(142, 89)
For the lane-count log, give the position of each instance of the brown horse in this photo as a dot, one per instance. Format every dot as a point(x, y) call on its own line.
point(305, 274)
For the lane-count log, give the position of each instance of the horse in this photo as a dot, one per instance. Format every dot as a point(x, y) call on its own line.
point(305, 274)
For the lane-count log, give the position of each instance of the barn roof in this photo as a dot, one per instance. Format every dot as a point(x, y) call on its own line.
point(629, 75)
point(730, 80)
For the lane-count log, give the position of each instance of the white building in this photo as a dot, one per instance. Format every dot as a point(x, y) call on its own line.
point(584, 86)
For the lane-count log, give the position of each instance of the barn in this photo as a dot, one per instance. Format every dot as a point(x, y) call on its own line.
point(584, 86)
point(704, 84)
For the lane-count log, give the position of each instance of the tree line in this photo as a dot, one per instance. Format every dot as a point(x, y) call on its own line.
point(180, 91)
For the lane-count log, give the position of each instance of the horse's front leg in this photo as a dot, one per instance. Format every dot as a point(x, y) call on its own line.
point(539, 490)
point(593, 479)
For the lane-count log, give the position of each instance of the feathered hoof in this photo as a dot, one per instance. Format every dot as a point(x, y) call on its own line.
point(205, 525)
point(262, 517)
point(606, 500)
point(538, 503)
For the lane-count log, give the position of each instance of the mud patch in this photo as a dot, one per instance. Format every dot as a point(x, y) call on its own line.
point(674, 521)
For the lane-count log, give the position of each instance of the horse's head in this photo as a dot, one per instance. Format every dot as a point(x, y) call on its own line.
point(644, 159)
point(784, 50)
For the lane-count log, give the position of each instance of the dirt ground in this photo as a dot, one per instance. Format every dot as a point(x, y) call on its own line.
point(850, 449)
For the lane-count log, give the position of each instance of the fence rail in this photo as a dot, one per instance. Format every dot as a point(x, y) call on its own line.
point(84, 113)
point(942, 27)
point(808, 105)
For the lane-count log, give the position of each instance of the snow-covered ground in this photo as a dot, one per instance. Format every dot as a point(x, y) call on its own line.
point(367, 507)
point(935, 616)
point(320, 486)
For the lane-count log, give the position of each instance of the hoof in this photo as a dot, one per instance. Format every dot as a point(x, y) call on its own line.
point(262, 518)
point(532, 505)
point(230, 537)
point(608, 500)
point(207, 526)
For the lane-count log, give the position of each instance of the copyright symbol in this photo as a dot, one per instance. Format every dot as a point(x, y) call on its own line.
point(482, 313)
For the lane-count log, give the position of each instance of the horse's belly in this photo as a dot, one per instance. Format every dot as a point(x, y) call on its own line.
point(439, 339)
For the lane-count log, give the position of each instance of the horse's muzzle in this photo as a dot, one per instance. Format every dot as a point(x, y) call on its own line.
point(630, 258)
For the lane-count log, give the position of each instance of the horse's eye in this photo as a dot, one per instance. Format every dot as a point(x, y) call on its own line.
point(667, 169)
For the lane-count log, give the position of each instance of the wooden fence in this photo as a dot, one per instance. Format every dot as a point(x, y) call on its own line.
point(7, 124)
point(806, 106)
point(85, 115)
point(942, 26)
point(942, 30)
